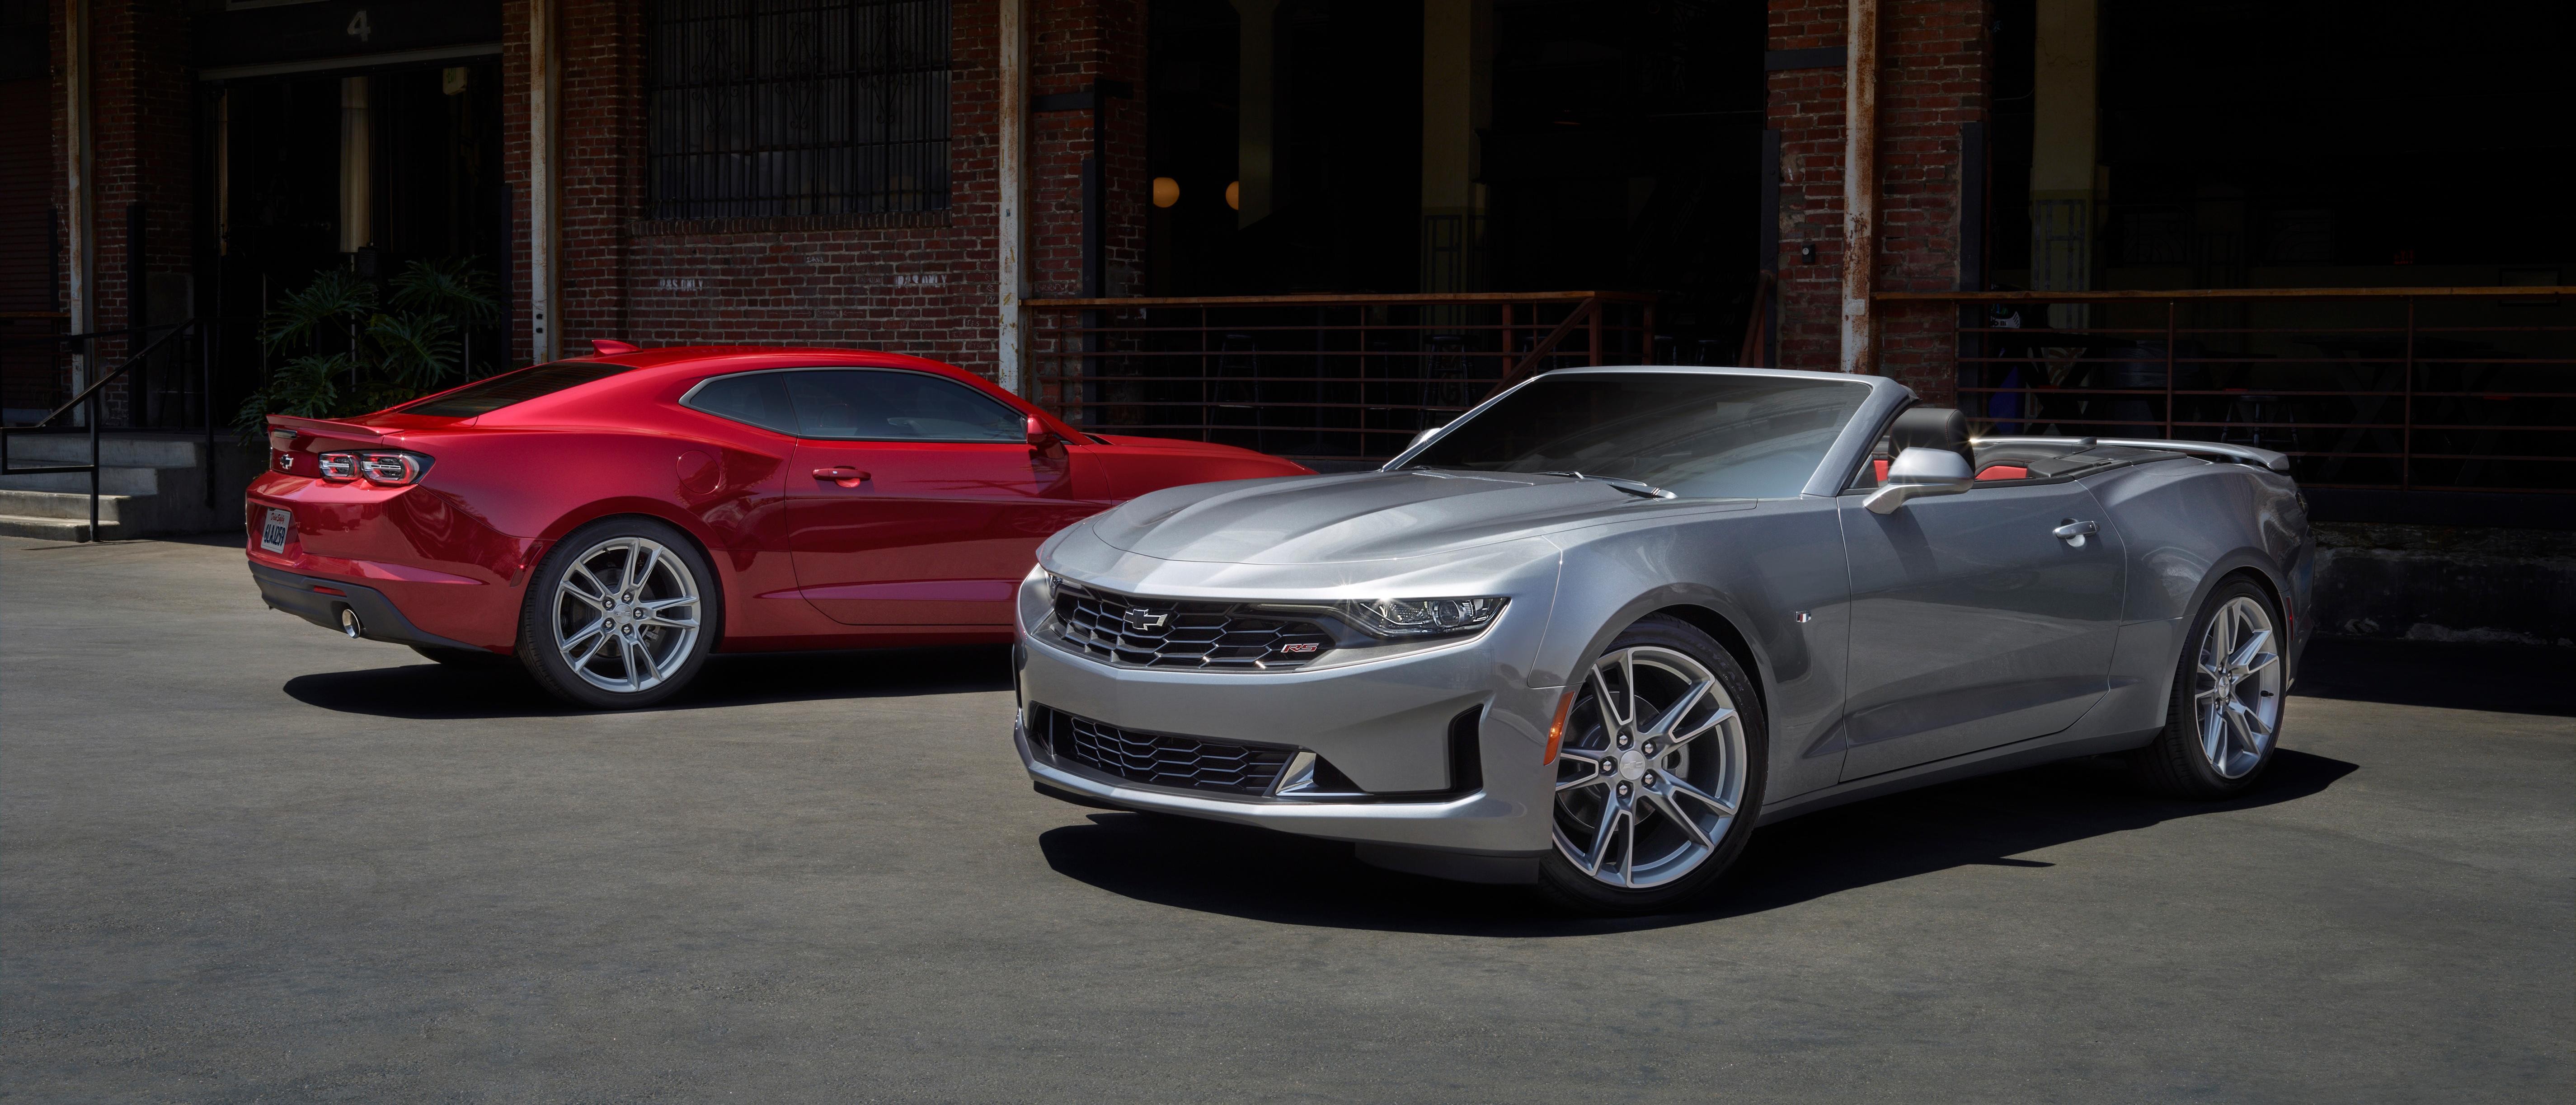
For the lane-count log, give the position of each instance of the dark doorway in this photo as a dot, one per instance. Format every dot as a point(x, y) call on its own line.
point(1345, 118)
point(1621, 154)
point(1624, 155)
point(434, 191)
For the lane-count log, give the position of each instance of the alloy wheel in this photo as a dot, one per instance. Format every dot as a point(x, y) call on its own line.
point(626, 614)
point(1652, 769)
point(2237, 691)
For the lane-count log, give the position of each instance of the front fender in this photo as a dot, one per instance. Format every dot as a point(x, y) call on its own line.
point(1769, 582)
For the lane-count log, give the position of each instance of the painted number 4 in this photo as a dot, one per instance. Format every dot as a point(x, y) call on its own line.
point(359, 28)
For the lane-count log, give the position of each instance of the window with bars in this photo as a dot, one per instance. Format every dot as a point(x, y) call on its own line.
point(797, 107)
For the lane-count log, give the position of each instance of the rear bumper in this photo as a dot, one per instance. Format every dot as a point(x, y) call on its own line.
point(464, 592)
point(320, 601)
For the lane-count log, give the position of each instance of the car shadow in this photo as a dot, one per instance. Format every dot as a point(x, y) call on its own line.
point(1268, 876)
point(440, 692)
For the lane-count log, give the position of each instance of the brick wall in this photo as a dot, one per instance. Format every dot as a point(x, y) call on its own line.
point(915, 282)
point(1932, 82)
point(142, 127)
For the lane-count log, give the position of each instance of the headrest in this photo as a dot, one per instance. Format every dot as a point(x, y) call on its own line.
point(1931, 428)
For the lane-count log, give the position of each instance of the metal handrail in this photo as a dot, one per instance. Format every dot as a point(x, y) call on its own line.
point(1338, 375)
point(2375, 393)
point(92, 395)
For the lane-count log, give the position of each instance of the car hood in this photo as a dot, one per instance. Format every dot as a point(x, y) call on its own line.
point(1352, 516)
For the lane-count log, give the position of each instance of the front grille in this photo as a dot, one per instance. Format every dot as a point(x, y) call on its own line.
point(1158, 759)
point(1172, 633)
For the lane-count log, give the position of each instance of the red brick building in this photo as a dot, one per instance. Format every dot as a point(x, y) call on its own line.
point(907, 174)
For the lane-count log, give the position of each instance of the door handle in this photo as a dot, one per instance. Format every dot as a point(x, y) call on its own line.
point(2074, 532)
point(842, 474)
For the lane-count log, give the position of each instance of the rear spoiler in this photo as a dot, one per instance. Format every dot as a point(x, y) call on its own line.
point(323, 427)
point(2278, 462)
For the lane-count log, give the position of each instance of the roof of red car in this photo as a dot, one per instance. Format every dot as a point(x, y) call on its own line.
point(681, 354)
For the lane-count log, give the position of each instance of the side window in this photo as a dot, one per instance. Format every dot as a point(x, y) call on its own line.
point(889, 405)
point(758, 398)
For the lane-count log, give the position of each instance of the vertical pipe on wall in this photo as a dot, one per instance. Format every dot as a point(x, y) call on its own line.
point(79, 296)
point(223, 151)
point(1254, 114)
point(542, 56)
point(1860, 188)
point(357, 164)
point(1011, 235)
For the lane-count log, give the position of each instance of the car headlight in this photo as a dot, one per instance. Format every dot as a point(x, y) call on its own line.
point(1402, 619)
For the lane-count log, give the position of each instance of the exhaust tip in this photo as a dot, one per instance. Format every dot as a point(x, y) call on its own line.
point(349, 623)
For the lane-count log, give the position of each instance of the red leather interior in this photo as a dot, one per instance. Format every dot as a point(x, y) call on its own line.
point(1880, 466)
point(2004, 472)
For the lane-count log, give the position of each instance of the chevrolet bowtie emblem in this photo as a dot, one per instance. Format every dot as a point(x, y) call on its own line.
point(1145, 621)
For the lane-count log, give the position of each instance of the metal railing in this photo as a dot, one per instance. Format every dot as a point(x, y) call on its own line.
point(91, 400)
point(2413, 389)
point(1341, 380)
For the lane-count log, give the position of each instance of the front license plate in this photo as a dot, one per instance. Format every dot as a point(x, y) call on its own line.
point(272, 533)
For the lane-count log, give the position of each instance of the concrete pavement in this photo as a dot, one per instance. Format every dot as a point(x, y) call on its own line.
point(244, 860)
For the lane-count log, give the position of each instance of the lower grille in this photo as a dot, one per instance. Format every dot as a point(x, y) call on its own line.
point(1158, 759)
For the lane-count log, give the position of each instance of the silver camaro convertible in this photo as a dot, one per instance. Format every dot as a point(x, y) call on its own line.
point(1595, 631)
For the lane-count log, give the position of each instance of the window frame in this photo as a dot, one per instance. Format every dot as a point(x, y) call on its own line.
point(800, 434)
point(703, 159)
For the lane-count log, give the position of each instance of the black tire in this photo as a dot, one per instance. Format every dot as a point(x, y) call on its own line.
point(1568, 884)
point(2175, 763)
point(538, 616)
point(470, 658)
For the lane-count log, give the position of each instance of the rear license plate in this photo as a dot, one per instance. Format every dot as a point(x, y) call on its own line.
point(272, 533)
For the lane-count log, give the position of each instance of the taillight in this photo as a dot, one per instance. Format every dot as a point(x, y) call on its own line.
point(387, 468)
point(393, 467)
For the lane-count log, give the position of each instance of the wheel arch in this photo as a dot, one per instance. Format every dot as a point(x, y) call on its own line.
point(1708, 620)
point(2250, 564)
point(691, 528)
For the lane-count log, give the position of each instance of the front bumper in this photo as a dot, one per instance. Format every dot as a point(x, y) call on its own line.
point(1386, 725)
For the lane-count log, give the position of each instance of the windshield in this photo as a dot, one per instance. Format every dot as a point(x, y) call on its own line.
point(1701, 436)
point(486, 396)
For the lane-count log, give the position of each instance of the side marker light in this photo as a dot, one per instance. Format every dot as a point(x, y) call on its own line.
point(1556, 729)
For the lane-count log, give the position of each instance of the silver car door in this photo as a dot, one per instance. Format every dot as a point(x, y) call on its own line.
point(1973, 623)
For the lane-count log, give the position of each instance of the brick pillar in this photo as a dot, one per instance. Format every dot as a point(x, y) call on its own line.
point(1933, 82)
point(514, 171)
point(1075, 43)
point(143, 111)
point(601, 165)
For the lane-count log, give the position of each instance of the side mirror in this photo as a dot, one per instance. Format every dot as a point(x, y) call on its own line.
point(1039, 436)
point(1921, 473)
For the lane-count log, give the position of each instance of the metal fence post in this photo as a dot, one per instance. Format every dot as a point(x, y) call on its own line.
point(206, 398)
point(2169, 369)
point(97, 412)
point(2406, 408)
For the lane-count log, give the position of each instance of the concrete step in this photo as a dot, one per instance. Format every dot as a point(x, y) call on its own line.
point(59, 529)
point(125, 451)
point(111, 480)
point(132, 509)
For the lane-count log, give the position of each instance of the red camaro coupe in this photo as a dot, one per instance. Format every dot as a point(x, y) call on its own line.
point(613, 519)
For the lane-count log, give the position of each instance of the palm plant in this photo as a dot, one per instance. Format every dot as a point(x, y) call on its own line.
point(356, 356)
